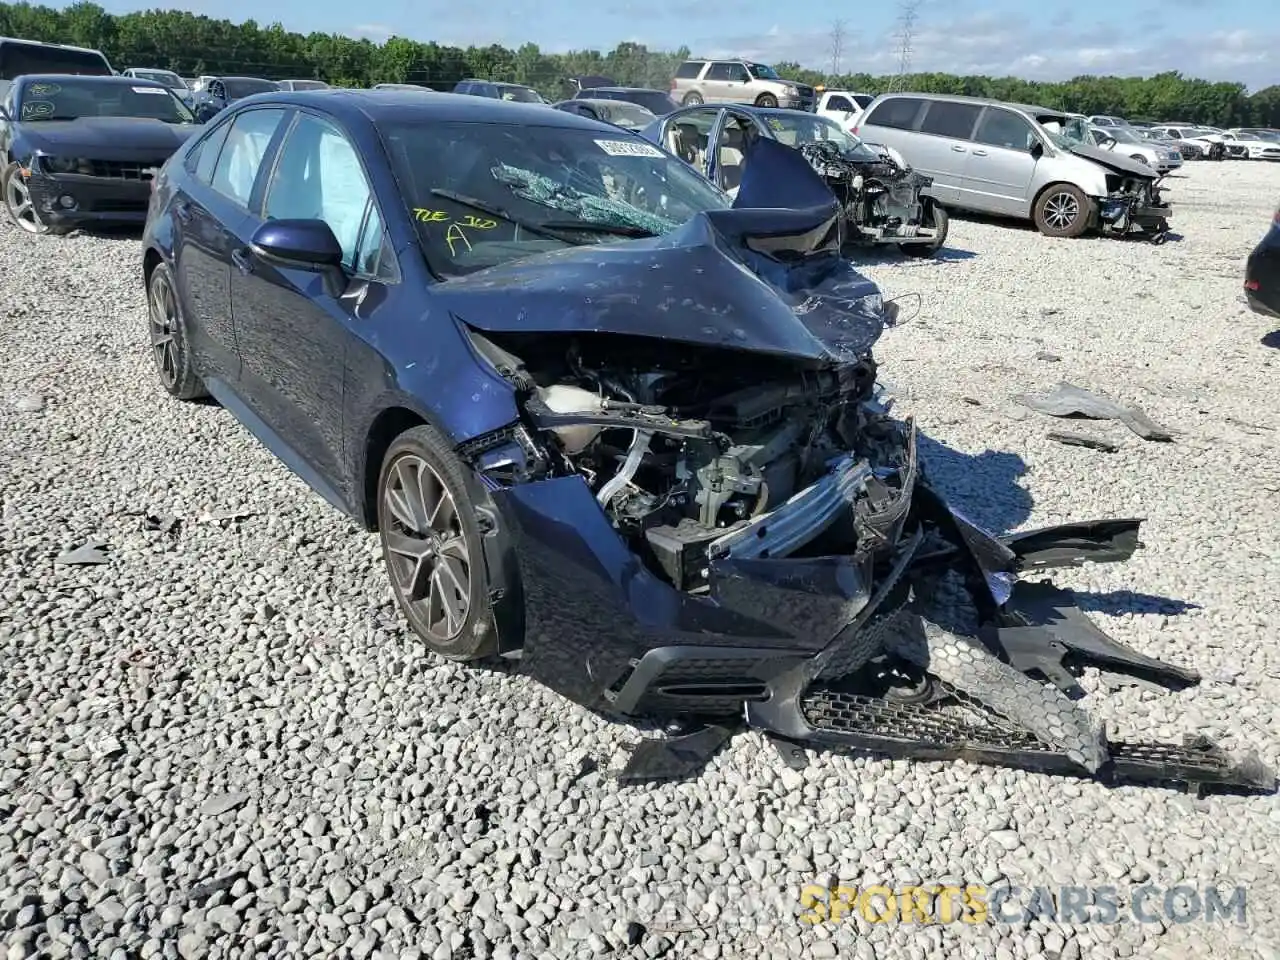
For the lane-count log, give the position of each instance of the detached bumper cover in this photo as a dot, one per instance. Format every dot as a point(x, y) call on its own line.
point(839, 651)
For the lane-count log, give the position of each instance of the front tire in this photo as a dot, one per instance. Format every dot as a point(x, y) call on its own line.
point(20, 205)
point(767, 100)
point(941, 223)
point(1063, 210)
point(170, 337)
point(692, 99)
point(431, 546)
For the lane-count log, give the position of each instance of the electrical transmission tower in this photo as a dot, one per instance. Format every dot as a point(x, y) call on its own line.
point(837, 46)
point(908, 14)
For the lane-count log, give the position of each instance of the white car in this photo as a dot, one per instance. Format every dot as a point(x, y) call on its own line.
point(1254, 146)
point(1102, 120)
point(1122, 140)
point(1211, 143)
point(843, 106)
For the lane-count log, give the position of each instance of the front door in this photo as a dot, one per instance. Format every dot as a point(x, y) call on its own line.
point(293, 325)
point(1001, 164)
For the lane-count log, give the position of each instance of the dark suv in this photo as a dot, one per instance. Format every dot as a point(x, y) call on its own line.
point(655, 101)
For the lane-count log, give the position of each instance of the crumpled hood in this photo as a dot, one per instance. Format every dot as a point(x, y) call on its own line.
point(107, 138)
point(1113, 161)
point(759, 277)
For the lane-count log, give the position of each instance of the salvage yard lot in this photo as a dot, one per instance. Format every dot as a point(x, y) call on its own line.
point(233, 697)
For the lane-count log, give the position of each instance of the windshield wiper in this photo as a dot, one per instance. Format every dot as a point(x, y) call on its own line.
point(590, 226)
point(496, 211)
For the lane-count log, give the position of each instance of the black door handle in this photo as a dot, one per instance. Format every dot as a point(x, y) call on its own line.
point(240, 258)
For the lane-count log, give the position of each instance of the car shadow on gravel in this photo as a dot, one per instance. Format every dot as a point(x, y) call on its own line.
point(1116, 603)
point(985, 486)
point(1271, 340)
point(889, 256)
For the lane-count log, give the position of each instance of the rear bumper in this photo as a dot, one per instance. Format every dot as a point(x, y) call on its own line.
point(73, 200)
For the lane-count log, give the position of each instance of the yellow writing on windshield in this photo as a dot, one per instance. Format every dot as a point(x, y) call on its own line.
point(453, 235)
point(422, 215)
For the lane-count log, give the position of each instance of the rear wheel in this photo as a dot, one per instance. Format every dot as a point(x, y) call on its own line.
point(1062, 210)
point(431, 546)
point(692, 99)
point(170, 339)
point(940, 222)
point(766, 100)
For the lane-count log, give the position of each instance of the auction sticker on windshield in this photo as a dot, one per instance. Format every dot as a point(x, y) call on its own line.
point(149, 90)
point(628, 148)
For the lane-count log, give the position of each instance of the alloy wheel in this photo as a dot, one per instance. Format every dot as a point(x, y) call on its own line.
point(21, 207)
point(1061, 210)
point(426, 550)
point(164, 329)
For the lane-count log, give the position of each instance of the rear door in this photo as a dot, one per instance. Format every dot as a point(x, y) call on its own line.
point(209, 216)
point(718, 85)
point(941, 147)
point(293, 329)
point(1001, 166)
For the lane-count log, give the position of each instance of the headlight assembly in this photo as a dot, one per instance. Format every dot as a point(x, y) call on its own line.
point(60, 164)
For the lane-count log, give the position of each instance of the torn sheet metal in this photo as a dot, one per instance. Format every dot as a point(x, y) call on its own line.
point(91, 553)
point(1068, 400)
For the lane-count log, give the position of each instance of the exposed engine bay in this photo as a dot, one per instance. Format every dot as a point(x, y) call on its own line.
point(776, 554)
point(680, 451)
point(881, 199)
point(1135, 204)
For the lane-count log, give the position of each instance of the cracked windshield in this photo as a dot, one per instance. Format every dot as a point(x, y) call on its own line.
point(500, 192)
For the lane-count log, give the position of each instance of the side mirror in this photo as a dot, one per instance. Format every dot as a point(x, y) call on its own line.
point(302, 245)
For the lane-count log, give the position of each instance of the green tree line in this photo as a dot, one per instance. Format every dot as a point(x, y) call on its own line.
point(193, 45)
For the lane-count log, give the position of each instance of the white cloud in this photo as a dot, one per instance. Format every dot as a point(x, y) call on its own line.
point(374, 31)
point(1001, 46)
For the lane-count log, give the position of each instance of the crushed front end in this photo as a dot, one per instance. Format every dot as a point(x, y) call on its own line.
point(1134, 203)
point(75, 191)
point(717, 520)
point(882, 201)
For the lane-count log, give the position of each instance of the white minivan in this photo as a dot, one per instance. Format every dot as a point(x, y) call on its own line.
point(1013, 160)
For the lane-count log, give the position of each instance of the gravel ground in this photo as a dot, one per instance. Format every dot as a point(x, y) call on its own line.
point(222, 742)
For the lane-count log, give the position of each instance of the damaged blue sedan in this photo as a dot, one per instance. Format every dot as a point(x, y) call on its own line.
point(621, 430)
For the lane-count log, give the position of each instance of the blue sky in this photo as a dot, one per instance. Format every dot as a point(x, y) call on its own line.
point(1036, 39)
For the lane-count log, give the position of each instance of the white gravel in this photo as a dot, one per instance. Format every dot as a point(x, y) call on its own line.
point(224, 744)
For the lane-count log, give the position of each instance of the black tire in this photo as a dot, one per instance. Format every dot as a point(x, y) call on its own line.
point(942, 223)
point(171, 338)
point(692, 99)
point(475, 635)
point(1055, 204)
point(28, 220)
point(767, 100)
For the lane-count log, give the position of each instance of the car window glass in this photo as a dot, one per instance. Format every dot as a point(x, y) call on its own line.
point(375, 258)
point(738, 74)
point(690, 69)
point(319, 177)
point(246, 145)
point(863, 100)
point(898, 113)
point(721, 71)
point(840, 103)
point(688, 134)
point(1004, 128)
point(948, 119)
point(206, 153)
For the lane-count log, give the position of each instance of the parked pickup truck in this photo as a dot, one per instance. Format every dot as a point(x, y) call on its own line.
point(843, 106)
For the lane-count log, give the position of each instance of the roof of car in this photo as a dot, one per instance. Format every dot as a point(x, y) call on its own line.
point(620, 89)
point(979, 101)
point(123, 81)
point(378, 105)
point(45, 43)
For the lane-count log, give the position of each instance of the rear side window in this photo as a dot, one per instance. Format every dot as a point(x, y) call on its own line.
point(897, 113)
point(17, 59)
point(690, 69)
point(840, 103)
point(863, 100)
point(242, 154)
point(948, 119)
